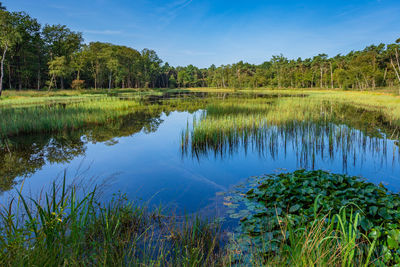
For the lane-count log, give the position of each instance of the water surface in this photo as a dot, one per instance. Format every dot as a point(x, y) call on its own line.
point(142, 156)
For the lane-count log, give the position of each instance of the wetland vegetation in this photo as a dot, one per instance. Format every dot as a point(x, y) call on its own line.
point(298, 217)
point(347, 220)
point(179, 143)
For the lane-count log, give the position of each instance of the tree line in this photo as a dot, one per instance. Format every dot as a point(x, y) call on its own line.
point(35, 56)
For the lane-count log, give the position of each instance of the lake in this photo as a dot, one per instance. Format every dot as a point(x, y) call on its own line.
point(146, 155)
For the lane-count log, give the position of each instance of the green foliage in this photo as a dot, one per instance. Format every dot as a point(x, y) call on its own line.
point(104, 65)
point(77, 84)
point(68, 228)
point(303, 196)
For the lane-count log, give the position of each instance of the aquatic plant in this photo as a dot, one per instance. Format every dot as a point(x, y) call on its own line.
point(318, 199)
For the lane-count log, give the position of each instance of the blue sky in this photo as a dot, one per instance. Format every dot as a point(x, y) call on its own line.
point(219, 32)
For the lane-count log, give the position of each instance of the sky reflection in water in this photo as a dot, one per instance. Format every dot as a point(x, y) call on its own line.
point(149, 165)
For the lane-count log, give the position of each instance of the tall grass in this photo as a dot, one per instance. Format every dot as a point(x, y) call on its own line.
point(329, 240)
point(49, 114)
point(63, 229)
point(47, 118)
point(270, 127)
point(66, 228)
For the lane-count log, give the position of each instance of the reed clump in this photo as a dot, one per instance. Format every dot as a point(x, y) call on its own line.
point(66, 228)
point(62, 116)
point(306, 123)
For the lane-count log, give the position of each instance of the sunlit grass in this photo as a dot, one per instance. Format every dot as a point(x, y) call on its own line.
point(62, 116)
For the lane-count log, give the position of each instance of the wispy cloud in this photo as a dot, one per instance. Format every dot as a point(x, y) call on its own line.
point(71, 11)
point(196, 53)
point(170, 11)
point(103, 32)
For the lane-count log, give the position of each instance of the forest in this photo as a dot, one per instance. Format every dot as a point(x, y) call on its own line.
point(35, 56)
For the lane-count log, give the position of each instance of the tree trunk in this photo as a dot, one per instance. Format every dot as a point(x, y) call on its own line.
point(397, 59)
point(384, 75)
point(312, 80)
point(9, 77)
point(2, 69)
point(51, 82)
point(395, 70)
point(38, 79)
point(109, 81)
point(321, 78)
point(331, 75)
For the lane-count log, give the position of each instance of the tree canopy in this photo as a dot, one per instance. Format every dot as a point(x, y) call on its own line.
point(53, 56)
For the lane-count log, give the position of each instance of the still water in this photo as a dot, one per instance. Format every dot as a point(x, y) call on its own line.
point(144, 160)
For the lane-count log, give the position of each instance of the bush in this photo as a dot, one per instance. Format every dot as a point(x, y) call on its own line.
point(78, 84)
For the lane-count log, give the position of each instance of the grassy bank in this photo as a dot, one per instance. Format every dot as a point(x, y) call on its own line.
point(61, 116)
point(32, 111)
point(28, 112)
point(66, 228)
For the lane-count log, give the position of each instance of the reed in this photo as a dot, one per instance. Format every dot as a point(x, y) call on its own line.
point(61, 116)
point(68, 228)
point(309, 126)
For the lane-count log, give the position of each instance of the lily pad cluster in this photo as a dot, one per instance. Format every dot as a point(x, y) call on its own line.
point(303, 196)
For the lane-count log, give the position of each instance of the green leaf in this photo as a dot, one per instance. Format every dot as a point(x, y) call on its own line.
point(294, 208)
point(392, 243)
point(373, 210)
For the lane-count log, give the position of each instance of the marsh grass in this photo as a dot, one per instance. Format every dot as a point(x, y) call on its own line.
point(48, 118)
point(329, 240)
point(63, 229)
point(54, 114)
point(67, 228)
point(270, 127)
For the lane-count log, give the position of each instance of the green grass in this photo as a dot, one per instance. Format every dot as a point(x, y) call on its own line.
point(31, 113)
point(68, 228)
point(53, 117)
point(384, 100)
point(304, 121)
point(36, 111)
point(63, 229)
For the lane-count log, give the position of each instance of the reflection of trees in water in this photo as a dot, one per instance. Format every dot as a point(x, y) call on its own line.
point(21, 156)
point(24, 155)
